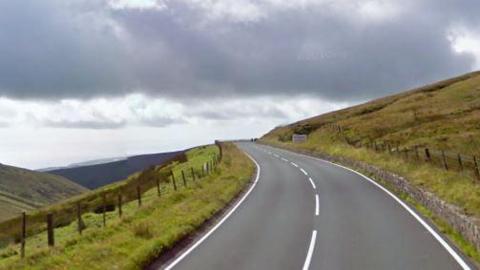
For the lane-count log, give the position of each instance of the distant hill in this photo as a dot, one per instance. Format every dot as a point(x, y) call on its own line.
point(97, 175)
point(443, 115)
point(24, 190)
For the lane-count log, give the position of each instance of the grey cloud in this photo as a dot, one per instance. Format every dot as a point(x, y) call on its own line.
point(161, 121)
point(76, 50)
point(4, 124)
point(83, 124)
point(239, 113)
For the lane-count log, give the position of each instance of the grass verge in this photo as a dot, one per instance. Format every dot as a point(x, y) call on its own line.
point(143, 233)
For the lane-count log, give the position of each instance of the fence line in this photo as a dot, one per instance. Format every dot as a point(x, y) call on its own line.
point(109, 205)
point(440, 158)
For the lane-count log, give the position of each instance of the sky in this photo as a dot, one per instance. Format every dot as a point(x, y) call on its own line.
point(93, 79)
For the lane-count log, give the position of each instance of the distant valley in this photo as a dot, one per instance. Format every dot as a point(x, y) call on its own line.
point(24, 190)
point(94, 174)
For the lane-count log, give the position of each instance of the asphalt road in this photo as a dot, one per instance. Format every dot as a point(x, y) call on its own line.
point(304, 213)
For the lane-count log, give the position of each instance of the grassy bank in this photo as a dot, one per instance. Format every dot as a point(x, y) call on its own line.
point(453, 187)
point(143, 232)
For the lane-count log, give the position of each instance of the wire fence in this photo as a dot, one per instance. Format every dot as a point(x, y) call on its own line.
point(162, 178)
point(449, 161)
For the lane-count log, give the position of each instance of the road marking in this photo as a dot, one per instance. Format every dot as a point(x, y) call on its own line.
point(304, 172)
point(311, 182)
point(317, 205)
point(447, 247)
point(188, 251)
point(294, 164)
point(284, 159)
point(306, 265)
point(275, 155)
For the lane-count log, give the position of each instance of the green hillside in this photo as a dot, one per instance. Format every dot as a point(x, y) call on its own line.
point(25, 190)
point(443, 115)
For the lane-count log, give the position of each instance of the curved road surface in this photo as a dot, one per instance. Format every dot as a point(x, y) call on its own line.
point(305, 213)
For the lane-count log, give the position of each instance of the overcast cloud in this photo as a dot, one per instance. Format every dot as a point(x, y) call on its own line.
point(338, 50)
point(95, 70)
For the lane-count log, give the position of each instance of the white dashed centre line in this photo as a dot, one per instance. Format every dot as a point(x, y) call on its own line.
point(303, 171)
point(294, 164)
point(306, 265)
point(317, 205)
point(311, 182)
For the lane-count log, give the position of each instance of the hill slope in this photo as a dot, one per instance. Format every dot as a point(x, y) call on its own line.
point(444, 115)
point(23, 190)
point(97, 175)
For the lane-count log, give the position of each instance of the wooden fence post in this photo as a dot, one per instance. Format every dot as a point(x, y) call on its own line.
point(477, 173)
point(398, 148)
point(120, 205)
point(184, 179)
point(173, 181)
point(406, 153)
point(460, 163)
point(104, 209)
point(444, 160)
point(220, 150)
point(375, 146)
point(139, 196)
point(158, 187)
point(208, 169)
point(193, 173)
point(23, 235)
point(79, 218)
point(428, 158)
point(389, 148)
point(50, 230)
point(417, 156)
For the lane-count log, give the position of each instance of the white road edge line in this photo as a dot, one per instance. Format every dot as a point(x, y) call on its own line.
point(449, 249)
point(313, 183)
point(317, 205)
point(304, 172)
point(188, 251)
point(306, 265)
point(294, 164)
